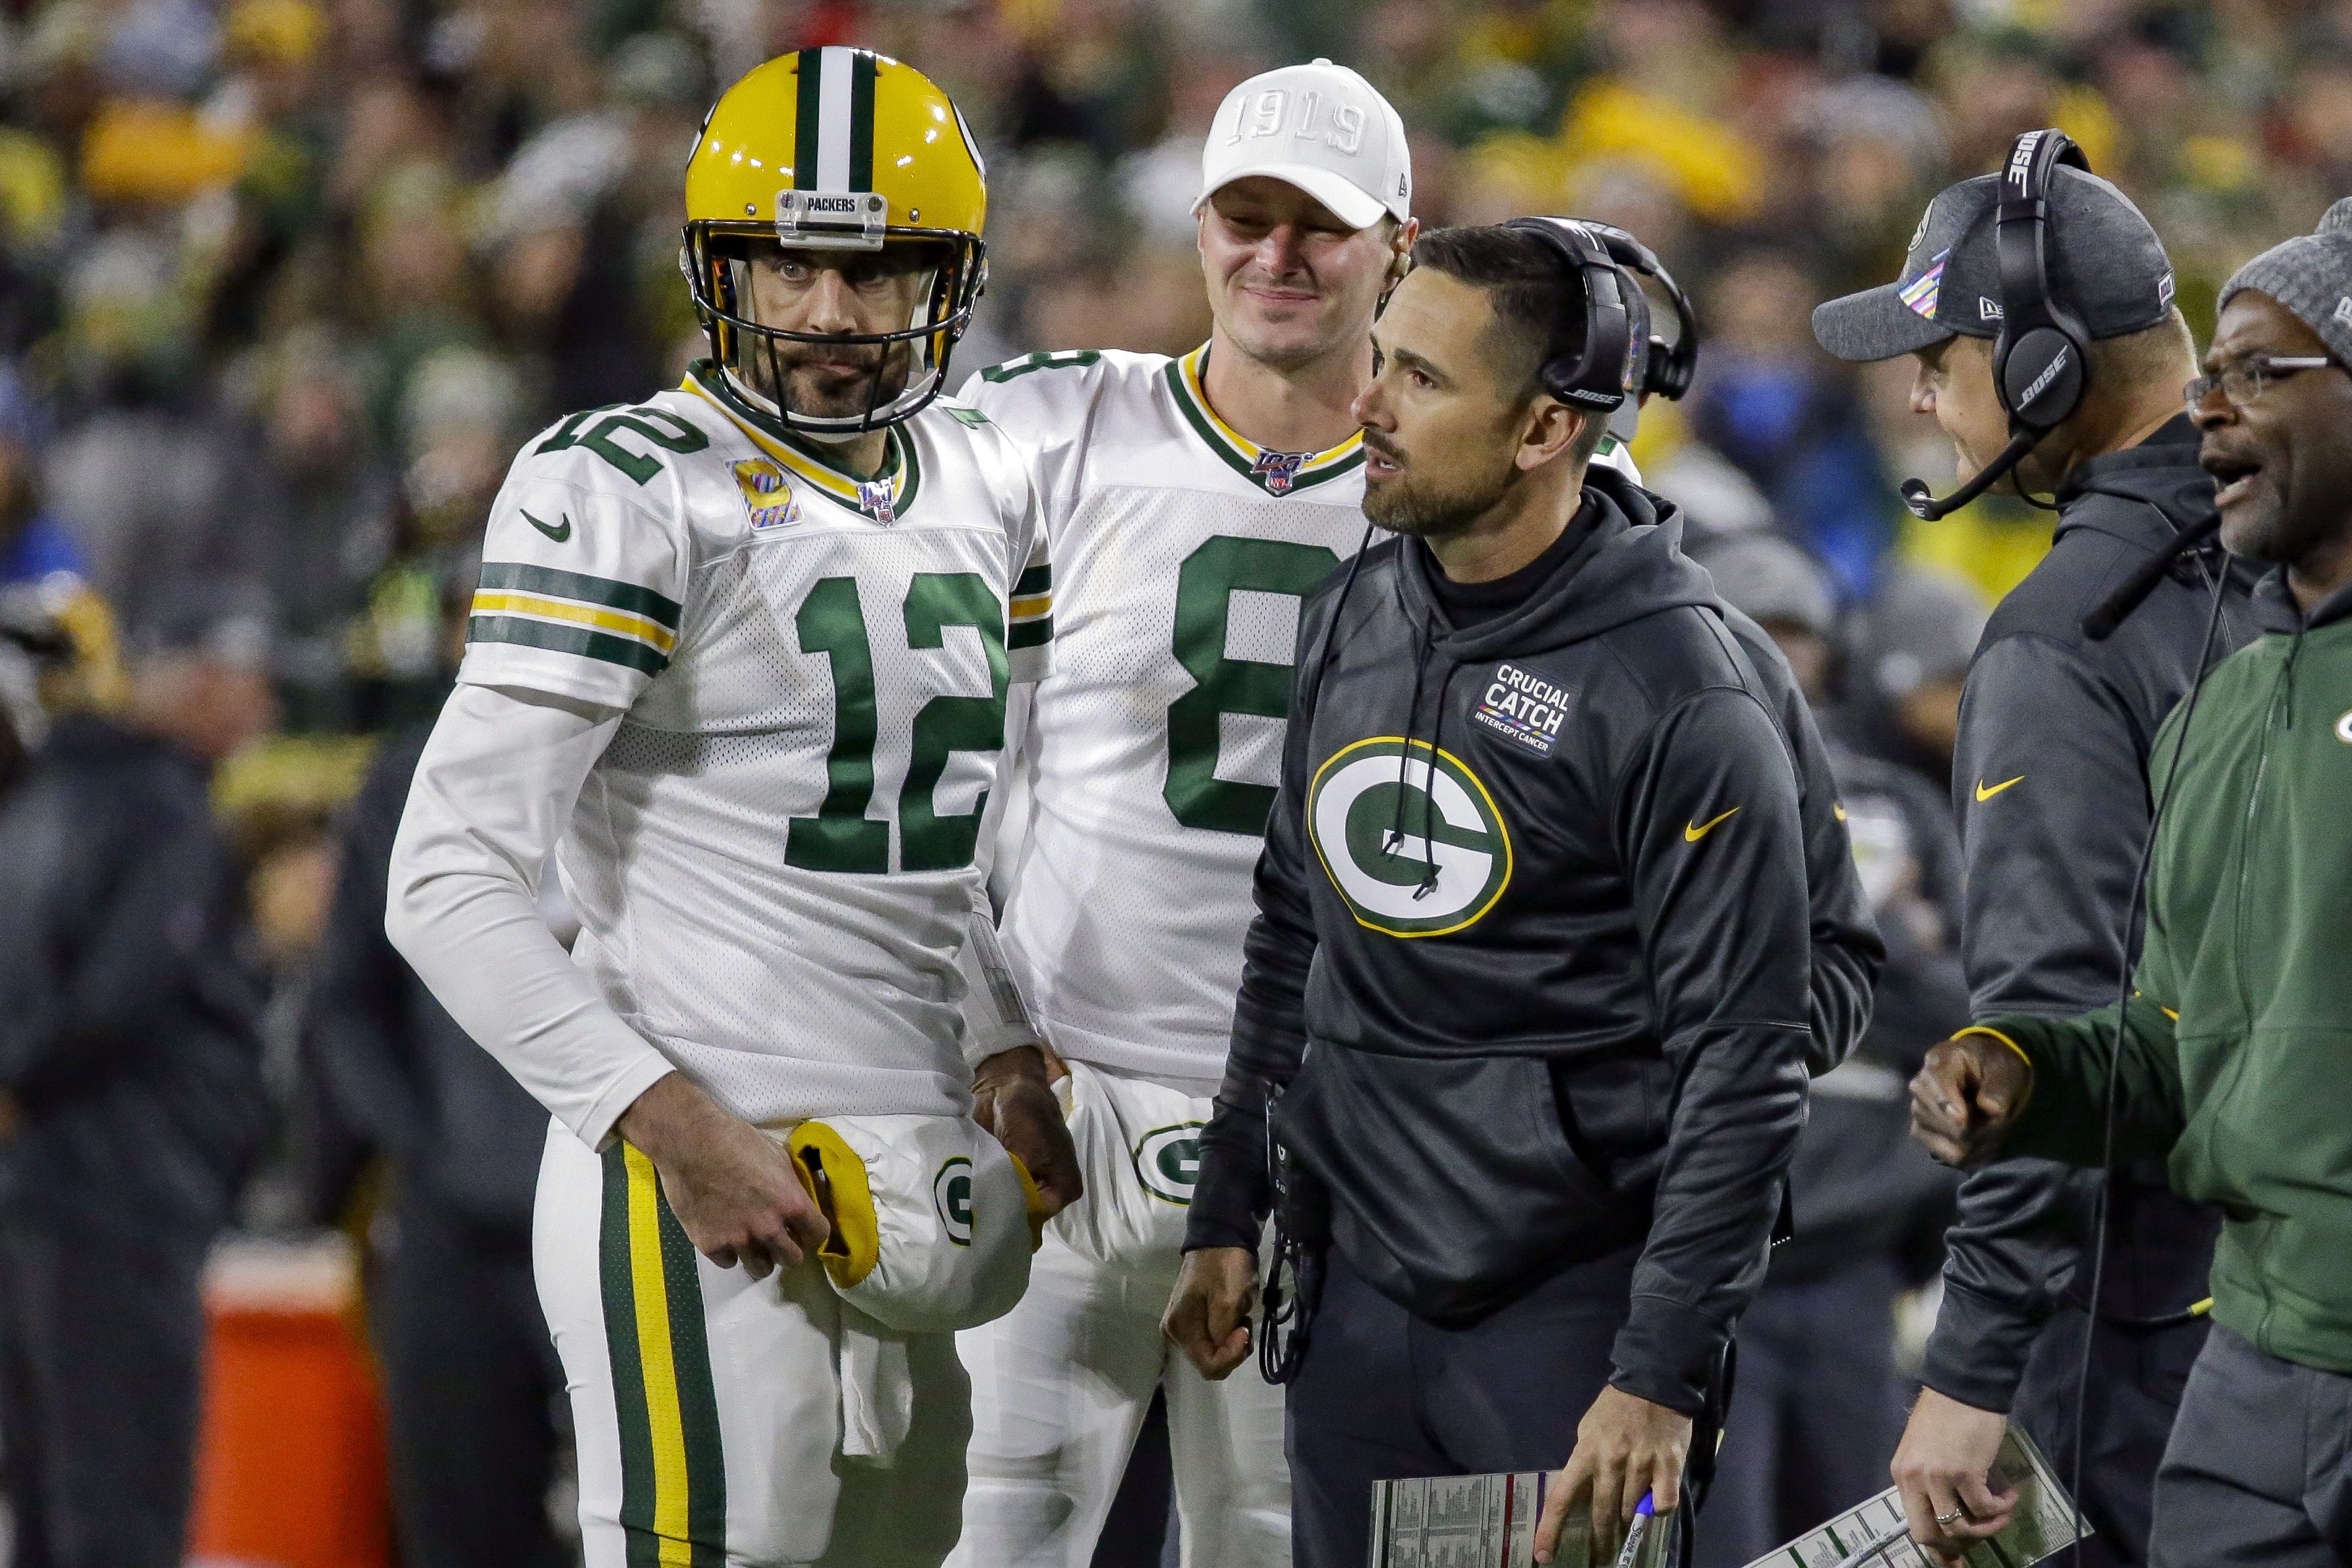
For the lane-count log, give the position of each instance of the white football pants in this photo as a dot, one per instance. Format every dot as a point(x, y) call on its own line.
point(724, 1422)
point(1061, 1384)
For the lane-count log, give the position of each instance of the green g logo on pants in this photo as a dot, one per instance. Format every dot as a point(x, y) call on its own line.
point(1450, 856)
point(951, 1196)
point(1168, 1161)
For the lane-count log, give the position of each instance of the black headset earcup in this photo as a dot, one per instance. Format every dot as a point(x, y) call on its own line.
point(2042, 377)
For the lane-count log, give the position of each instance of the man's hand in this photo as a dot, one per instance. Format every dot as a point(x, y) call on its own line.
point(1966, 1097)
point(734, 1189)
point(1625, 1445)
point(1208, 1315)
point(1942, 1468)
point(1013, 1099)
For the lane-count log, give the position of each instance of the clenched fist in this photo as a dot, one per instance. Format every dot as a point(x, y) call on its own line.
point(1966, 1097)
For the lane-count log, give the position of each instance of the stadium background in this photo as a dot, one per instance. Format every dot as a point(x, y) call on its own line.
point(283, 284)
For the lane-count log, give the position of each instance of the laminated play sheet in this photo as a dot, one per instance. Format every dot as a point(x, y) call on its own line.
point(1483, 1521)
point(1875, 1535)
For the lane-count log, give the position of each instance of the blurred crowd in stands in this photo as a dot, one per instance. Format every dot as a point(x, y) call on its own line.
point(285, 283)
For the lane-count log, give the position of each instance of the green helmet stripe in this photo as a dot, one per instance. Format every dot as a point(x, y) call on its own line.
point(806, 118)
point(861, 121)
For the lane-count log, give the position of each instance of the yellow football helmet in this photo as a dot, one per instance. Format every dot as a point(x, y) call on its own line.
point(839, 150)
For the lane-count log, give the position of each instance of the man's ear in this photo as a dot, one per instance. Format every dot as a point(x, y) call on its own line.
point(1549, 432)
point(1401, 250)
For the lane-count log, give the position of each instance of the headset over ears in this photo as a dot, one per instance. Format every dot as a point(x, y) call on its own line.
point(1666, 367)
point(1598, 375)
point(2040, 365)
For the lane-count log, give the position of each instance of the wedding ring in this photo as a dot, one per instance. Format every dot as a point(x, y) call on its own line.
point(1952, 1518)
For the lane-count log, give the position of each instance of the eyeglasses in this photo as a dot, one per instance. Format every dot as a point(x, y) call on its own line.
point(2243, 382)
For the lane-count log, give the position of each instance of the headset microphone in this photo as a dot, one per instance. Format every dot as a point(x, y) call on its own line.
point(1924, 505)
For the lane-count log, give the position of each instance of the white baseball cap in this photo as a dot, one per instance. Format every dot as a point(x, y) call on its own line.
point(1320, 127)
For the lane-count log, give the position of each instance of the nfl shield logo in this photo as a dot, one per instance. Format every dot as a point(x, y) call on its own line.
point(1277, 471)
point(873, 499)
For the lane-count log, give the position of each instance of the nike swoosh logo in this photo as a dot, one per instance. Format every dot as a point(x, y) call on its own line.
point(1985, 792)
point(558, 534)
point(1837, 810)
point(1692, 835)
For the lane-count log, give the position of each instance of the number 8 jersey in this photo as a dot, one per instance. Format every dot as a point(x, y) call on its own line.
point(1143, 780)
point(772, 861)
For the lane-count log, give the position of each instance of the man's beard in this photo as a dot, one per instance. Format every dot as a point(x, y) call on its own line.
point(783, 374)
point(1410, 505)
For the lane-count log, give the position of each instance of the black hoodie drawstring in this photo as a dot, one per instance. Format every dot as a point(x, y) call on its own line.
point(1429, 796)
point(1404, 753)
point(1331, 627)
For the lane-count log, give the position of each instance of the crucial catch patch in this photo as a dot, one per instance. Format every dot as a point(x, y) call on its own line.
point(1526, 708)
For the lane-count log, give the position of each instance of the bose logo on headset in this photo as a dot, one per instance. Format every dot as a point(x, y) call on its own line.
point(2020, 157)
point(2042, 380)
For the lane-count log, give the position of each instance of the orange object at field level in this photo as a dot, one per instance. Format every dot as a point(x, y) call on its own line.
point(291, 1471)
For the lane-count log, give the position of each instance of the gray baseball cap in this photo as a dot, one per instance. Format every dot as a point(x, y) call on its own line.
point(2105, 261)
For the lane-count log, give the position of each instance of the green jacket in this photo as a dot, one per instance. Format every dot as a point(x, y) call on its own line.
point(2236, 1055)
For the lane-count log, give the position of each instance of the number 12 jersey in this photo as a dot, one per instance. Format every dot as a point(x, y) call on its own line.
point(1142, 782)
point(773, 858)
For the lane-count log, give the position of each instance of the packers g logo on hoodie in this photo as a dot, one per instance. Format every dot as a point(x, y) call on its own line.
point(1423, 881)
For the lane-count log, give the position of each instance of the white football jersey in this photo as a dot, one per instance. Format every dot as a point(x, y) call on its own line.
point(1149, 764)
point(773, 862)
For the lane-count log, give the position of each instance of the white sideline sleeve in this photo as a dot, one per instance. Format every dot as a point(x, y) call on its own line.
point(995, 1018)
point(494, 792)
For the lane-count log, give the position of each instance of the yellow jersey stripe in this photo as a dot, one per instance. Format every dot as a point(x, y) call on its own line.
point(626, 625)
point(1037, 604)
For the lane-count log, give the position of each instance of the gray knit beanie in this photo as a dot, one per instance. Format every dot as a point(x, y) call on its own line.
point(2310, 274)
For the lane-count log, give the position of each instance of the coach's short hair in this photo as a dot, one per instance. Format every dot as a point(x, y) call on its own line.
point(1538, 301)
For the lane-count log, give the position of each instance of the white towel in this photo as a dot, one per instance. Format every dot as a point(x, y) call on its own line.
point(878, 1390)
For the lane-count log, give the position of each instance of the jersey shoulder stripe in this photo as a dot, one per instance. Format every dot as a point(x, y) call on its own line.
point(1031, 608)
point(569, 612)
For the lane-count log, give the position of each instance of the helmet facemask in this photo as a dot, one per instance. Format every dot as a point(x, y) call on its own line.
point(832, 358)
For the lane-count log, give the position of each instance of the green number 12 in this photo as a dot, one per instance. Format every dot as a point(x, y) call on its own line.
point(841, 837)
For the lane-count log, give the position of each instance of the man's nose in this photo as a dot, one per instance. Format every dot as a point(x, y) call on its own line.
point(2212, 410)
point(1365, 409)
point(830, 304)
point(1281, 252)
point(1923, 395)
